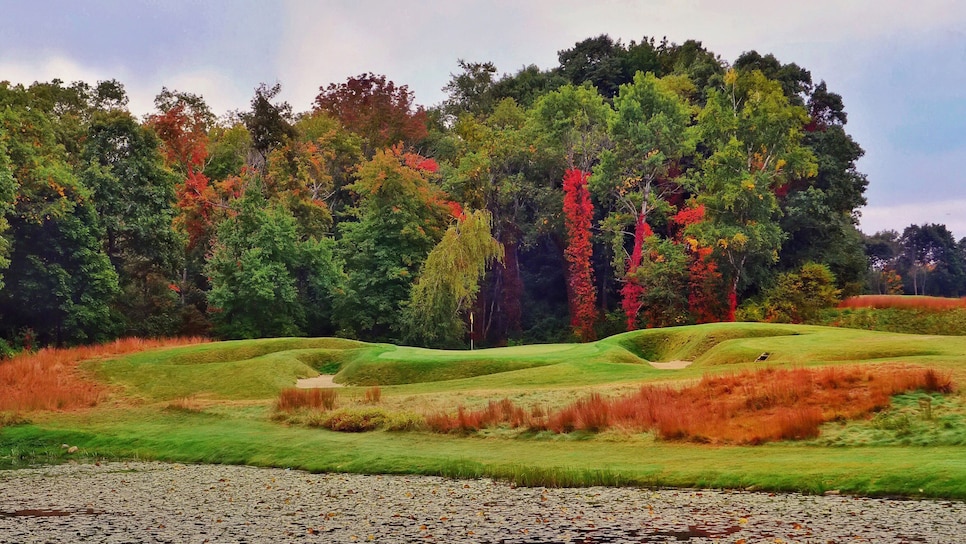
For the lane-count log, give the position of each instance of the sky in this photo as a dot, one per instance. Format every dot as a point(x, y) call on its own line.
point(900, 66)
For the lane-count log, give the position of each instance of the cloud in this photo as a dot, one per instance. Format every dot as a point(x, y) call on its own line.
point(899, 216)
point(219, 90)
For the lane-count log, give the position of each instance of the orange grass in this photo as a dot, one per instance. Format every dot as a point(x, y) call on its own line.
point(50, 380)
point(747, 408)
point(373, 395)
point(292, 399)
point(903, 302)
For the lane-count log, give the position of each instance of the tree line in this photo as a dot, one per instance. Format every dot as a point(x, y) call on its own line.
point(633, 185)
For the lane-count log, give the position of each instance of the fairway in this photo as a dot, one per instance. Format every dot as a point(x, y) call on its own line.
point(216, 403)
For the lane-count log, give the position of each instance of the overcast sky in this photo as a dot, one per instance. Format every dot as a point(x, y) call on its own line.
point(899, 65)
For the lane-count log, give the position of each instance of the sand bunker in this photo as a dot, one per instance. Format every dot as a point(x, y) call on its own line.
point(671, 365)
point(320, 381)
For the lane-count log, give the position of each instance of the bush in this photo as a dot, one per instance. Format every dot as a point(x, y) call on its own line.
point(355, 420)
point(800, 296)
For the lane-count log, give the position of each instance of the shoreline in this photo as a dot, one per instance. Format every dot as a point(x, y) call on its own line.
point(162, 502)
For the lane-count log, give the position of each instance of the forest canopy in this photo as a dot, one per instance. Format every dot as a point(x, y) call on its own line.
point(633, 185)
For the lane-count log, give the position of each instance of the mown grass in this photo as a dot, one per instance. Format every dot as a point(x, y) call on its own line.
point(215, 403)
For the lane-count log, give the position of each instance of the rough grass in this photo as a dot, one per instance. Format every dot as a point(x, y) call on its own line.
point(49, 379)
point(293, 399)
point(904, 302)
point(744, 408)
point(948, 322)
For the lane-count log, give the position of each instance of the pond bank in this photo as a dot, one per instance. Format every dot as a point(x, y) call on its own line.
point(159, 502)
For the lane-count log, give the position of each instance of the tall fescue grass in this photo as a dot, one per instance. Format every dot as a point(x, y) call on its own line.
point(49, 379)
point(751, 407)
point(903, 302)
point(292, 399)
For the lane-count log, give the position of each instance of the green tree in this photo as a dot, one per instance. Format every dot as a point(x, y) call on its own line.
point(264, 280)
point(663, 275)
point(269, 123)
point(399, 219)
point(449, 281)
point(133, 194)
point(571, 122)
point(8, 190)
point(650, 134)
point(498, 168)
point(754, 139)
point(59, 283)
point(470, 91)
point(930, 261)
point(310, 172)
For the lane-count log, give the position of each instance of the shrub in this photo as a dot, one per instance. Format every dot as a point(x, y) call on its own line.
point(800, 296)
point(9, 419)
point(355, 420)
point(405, 421)
point(185, 404)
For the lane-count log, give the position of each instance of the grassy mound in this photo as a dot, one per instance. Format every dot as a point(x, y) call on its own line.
point(234, 402)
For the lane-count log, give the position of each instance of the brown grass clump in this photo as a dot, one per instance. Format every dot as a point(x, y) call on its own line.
point(50, 380)
point(746, 408)
point(373, 395)
point(292, 399)
point(903, 302)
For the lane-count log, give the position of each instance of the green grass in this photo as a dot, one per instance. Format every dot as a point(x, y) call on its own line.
point(231, 387)
point(207, 438)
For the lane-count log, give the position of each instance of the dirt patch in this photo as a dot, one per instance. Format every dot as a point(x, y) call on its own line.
point(671, 365)
point(318, 382)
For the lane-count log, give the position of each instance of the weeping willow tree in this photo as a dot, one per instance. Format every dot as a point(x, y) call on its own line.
point(450, 281)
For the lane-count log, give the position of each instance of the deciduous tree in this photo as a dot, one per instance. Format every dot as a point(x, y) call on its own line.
point(449, 281)
point(400, 217)
point(754, 138)
point(377, 109)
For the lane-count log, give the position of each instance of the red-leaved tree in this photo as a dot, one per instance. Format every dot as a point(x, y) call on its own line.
point(184, 143)
point(376, 109)
point(705, 284)
point(578, 212)
point(633, 291)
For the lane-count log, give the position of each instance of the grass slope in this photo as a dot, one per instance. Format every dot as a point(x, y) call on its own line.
point(235, 384)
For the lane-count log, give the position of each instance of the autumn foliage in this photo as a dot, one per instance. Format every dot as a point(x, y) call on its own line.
point(377, 109)
point(705, 302)
point(184, 144)
point(632, 291)
point(578, 213)
point(745, 408)
point(50, 380)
